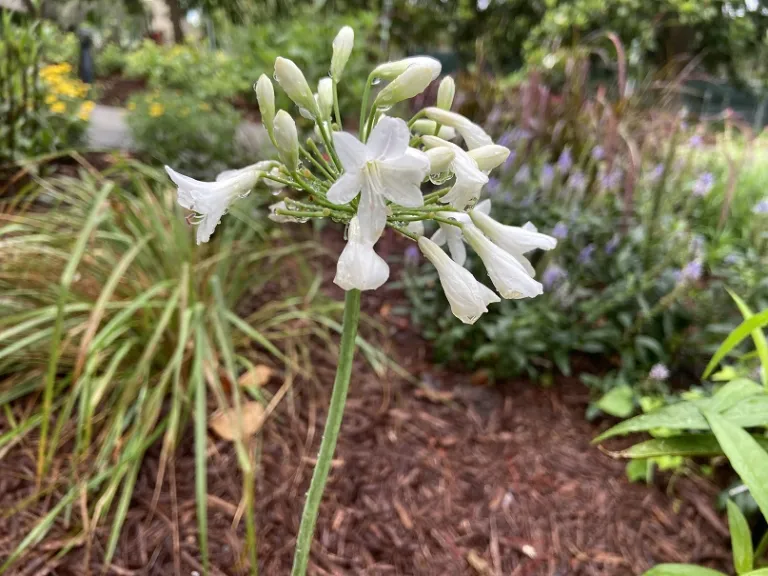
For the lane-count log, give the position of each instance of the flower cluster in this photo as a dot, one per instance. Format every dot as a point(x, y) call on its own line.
point(393, 174)
point(65, 93)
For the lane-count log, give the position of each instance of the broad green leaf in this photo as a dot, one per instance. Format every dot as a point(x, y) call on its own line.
point(734, 392)
point(683, 416)
point(685, 445)
point(681, 570)
point(619, 402)
point(735, 338)
point(749, 412)
point(637, 470)
point(741, 539)
point(760, 572)
point(747, 457)
point(761, 344)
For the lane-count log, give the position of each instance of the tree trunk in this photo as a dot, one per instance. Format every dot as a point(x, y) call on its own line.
point(175, 9)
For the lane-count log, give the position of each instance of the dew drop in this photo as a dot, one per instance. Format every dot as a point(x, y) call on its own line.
point(383, 108)
point(375, 81)
point(440, 178)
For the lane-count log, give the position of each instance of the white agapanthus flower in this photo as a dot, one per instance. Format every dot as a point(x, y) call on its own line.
point(359, 267)
point(453, 236)
point(509, 277)
point(385, 168)
point(469, 178)
point(515, 240)
point(211, 200)
point(423, 126)
point(391, 70)
point(467, 297)
point(473, 134)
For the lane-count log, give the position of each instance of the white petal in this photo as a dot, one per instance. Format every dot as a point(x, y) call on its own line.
point(456, 246)
point(372, 212)
point(345, 188)
point(490, 156)
point(529, 226)
point(473, 135)
point(350, 150)
point(416, 228)
point(359, 267)
point(388, 139)
point(439, 237)
point(468, 298)
point(483, 207)
point(529, 269)
point(513, 239)
point(507, 274)
point(401, 178)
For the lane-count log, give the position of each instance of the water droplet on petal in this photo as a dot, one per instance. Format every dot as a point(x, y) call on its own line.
point(375, 81)
point(439, 178)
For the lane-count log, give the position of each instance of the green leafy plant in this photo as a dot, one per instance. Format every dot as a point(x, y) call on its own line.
point(731, 422)
point(125, 330)
point(179, 128)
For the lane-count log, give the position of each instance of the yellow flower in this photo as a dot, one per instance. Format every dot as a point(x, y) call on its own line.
point(156, 110)
point(85, 110)
point(58, 107)
point(131, 105)
point(205, 106)
point(50, 99)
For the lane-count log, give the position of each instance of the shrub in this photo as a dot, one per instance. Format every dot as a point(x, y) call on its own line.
point(111, 60)
point(177, 128)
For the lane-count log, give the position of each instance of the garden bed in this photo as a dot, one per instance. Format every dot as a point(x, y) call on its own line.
point(451, 477)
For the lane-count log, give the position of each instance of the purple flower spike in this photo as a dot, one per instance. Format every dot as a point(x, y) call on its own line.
point(412, 255)
point(761, 207)
point(598, 152)
point(560, 231)
point(553, 275)
point(565, 161)
point(612, 244)
point(547, 176)
point(523, 175)
point(703, 184)
point(585, 256)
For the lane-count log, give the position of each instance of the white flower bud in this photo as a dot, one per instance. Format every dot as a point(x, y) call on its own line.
point(325, 97)
point(473, 134)
point(468, 298)
point(287, 140)
point(507, 274)
point(265, 94)
point(445, 93)
point(440, 159)
point(424, 126)
point(359, 267)
point(342, 48)
point(490, 156)
point(410, 83)
point(390, 70)
point(281, 218)
point(291, 78)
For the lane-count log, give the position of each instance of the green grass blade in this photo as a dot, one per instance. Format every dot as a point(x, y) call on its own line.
point(742, 331)
point(681, 570)
point(761, 344)
point(741, 539)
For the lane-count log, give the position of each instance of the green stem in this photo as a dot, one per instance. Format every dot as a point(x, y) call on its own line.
point(330, 434)
point(364, 106)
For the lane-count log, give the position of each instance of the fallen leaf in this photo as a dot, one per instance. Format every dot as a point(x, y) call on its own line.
point(256, 377)
point(224, 422)
point(479, 564)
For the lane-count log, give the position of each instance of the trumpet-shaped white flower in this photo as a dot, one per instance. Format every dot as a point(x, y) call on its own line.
point(384, 168)
point(359, 267)
point(452, 235)
point(468, 298)
point(445, 93)
point(287, 140)
point(407, 85)
point(211, 200)
point(473, 134)
point(264, 166)
point(424, 126)
point(469, 178)
point(507, 274)
point(342, 48)
point(490, 156)
point(291, 78)
point(390, 70)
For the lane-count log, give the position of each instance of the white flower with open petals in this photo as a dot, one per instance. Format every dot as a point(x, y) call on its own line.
point(473, 134)
point(469, 178)
point(383, 169)
point(515, 240)
point(507, 274)
point(453, 236)
point(359, 267)
point(468, 298)
point(211, 200)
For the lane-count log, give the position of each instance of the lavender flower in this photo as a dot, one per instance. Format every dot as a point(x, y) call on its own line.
point(731, 259)
point(656, 174)
point(510, 161)
point(512, 137)
point(611, 180)
point(547, 176)
point(692, 271)
point(761, 207)
point(612, 244)
point(577, 182)
point(598, 153)
point(585, 256)
point(560, 231)
point(703, 184)
point(412, 255)
point(523, 175)
point(696, 141)
point(493, 185)
point(659, 372)
point(553, 275)
point(565, 161)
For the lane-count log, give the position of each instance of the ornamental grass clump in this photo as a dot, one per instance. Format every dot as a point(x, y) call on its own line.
point(394, 174)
